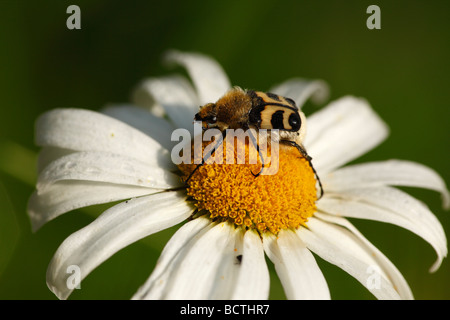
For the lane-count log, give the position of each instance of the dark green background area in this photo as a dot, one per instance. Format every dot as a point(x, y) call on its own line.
point(402, 69)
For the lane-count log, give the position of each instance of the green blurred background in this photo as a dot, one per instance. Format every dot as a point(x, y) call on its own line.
point(402, 69)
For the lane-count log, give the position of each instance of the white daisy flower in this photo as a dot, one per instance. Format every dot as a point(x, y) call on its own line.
point(124, 153)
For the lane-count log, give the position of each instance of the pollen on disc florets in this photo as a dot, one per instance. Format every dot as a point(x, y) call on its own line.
point(267, 203)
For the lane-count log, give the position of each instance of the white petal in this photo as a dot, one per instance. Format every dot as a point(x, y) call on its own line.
point(200, 269)
point(340, 247)
point(175, 95)
point(191, 265)
point(387, 267)
point(221, 276)
point(228, 271)
point(65, 196)
point(155, 127)
point(141, 98)
point(174, 252)
point(208, 76)
point(254, 280)
point(362, 210)
point(300, 90)
point(85, 130)
point(106, 167)
point(391, 172)
point(344, 130)
point(50, 154)
point(116, 228)
point(389, 205)
point(295, 265)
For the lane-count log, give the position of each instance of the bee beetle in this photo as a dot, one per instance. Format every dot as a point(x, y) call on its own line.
point(248, 109)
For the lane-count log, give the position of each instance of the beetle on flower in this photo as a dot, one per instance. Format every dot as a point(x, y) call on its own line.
point(232, 219)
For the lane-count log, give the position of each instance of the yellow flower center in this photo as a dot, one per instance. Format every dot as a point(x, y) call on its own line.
point(271, 202)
